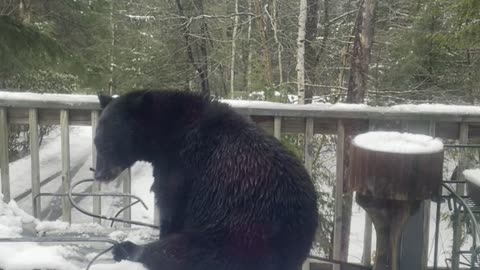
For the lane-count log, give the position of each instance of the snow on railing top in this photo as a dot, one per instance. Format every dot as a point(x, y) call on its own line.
point(53, 101)
point(440, 112)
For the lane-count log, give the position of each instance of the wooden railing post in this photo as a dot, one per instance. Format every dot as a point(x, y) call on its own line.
point(156, 216)
point(66, 176)
point(35, 161)
point(338, 222)
point(4, 155)
point(277, 127)
point(460, 189)
point(96, 187)
point(368, 230)
point(309, 144)
point(306, 265)
point(126, 179)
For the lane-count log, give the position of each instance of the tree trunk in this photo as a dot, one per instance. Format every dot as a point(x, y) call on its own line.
point(111, 82)
point(314, 57)
point(326, 28)
point(23, 11)
point(345, 54)
point(310, 52)
point(277, 41)
point(201, 67)
point(249, 48)
point(205, 86)
point(234, 43)
point(357, 88)
point(471, 84)
point(262, 31)
point(364, 31)
point(302, 19)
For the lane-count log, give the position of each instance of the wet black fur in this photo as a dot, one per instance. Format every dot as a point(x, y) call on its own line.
point(230, 196)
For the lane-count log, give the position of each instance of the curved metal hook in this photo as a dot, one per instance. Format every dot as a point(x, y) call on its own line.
point(464, 204)
point(105, 193)
point(123, 209)
point(75, 205)
point(98, 256)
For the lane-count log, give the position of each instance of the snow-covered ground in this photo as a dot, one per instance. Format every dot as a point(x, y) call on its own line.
point(15, 219)
point(15, 223)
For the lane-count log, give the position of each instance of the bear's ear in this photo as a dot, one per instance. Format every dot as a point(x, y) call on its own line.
point(142, 105)
point(104, 100)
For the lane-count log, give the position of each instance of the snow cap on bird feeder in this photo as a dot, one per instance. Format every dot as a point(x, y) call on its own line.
point(394, 165)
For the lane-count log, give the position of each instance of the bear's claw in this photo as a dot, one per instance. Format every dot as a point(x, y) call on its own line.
point(124, 251)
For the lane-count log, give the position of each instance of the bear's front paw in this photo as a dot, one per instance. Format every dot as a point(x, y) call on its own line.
point(124, 251)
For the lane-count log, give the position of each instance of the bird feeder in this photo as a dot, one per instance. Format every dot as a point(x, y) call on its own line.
point(392, 173)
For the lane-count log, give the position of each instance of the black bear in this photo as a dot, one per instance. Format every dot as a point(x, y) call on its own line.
point(231, 197)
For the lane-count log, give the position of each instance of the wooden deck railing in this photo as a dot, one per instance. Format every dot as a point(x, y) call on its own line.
point(461, 123)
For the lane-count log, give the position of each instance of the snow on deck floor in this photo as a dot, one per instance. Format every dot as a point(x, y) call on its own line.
point(14, 223)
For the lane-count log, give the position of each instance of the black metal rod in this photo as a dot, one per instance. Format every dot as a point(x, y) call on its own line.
point(98, 256)
point(460, 145)
point(472, 217)
point(93, 195)
point(474, 251)
point(76, 206)
point(337, 262)
point(437, 234)
point(463, 203)
point(59, 240)
point(123, 209)
point(454, 182)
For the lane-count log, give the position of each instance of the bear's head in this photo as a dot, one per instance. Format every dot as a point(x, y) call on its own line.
point(141, 125)
point(114, 138)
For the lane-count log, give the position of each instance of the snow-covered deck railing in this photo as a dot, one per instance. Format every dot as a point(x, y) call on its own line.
point(443, 121)
point(440, 112)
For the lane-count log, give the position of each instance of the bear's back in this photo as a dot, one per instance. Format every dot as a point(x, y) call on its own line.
point(248, 186)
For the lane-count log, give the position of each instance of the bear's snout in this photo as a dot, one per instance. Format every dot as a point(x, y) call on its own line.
point(105, 171)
